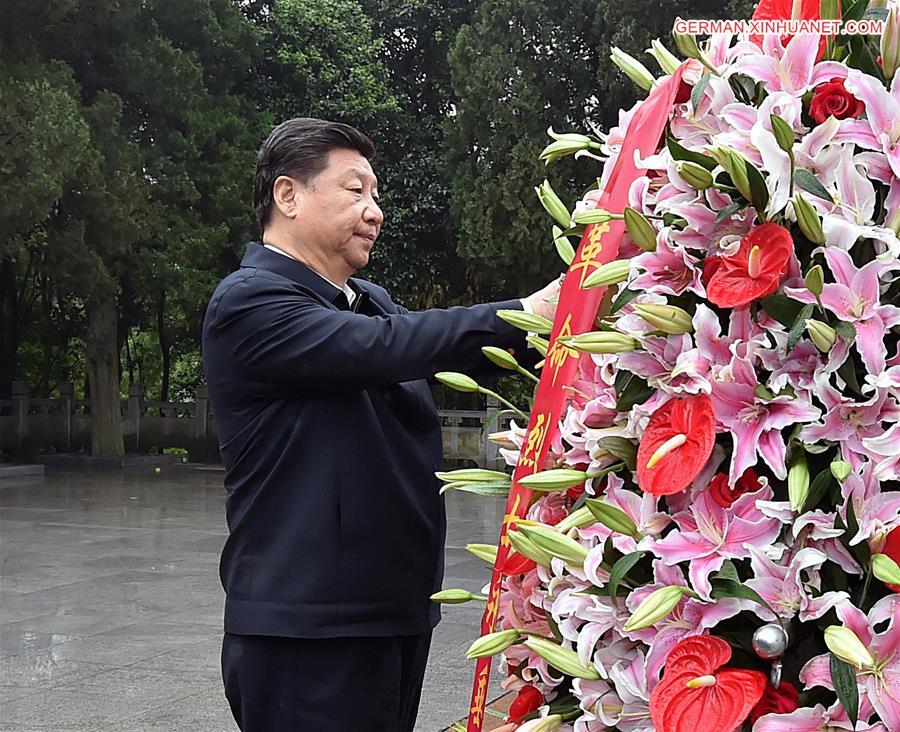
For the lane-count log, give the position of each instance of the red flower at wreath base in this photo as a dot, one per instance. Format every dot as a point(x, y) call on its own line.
point(676, 444)
point(782, 10)
point(528, 701)
point(783, 700)
point(892, 549)
point(695, 695)
point(755, 271)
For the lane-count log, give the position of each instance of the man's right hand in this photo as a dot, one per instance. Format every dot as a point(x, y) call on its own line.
point(544, 301)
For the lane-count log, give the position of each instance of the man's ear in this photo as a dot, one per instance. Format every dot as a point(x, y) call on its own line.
point(285, 195)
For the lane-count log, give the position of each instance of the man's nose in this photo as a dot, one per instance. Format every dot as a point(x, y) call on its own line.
point(374, 214)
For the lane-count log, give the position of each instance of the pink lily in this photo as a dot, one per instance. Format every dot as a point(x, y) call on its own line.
point(792, 68)
point(881, 681)
point(669, 364)
point(755, 423)
point(881, 128)
point(877, 512)
point(709, 534)
point(886, 450)
point(785, 590)
point(669, 270)
point(854, 298)
point(819, 719)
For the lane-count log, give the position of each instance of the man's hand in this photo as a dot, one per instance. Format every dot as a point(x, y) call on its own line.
point(544, 301)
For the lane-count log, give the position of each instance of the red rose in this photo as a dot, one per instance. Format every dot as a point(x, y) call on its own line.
point(528, 701)
point(695, 695)
point(684, 92)
point(833, 100)
point(892, 549)
point(676, 444)
point(725, 495)
point(782, 700)
point(755, 271)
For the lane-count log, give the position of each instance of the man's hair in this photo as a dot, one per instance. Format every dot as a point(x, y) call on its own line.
point(299, 148)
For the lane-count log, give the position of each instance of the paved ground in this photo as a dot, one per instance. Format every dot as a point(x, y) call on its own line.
point(110, 612)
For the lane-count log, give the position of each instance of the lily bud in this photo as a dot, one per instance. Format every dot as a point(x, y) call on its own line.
point(544, 724)
point(815, 280)
point(595, 216)
point(669, 319)
point(566, 144)
point(667, 61)
point(808, 220)
point(686, 43)
point(487, 552)
point(784, 134)
point(840, 470)
point(694, 174)
point(472, 475)
point(559, 479)
point(633, 69)
point(563, 246)
point(600, 341)
point(657, 605)
point(527, 548)
point(554, 543)
point(847, 646)
point(890, 44)
point(500, 357)
point(798, 481)
point(456, 381)
point(540, 344)
point(822, 334)
point(640, 229)
point(831, 9)
point(553, 205)
point(578, 519)
point(455, 597)
point(530, 322)
point(492, 643)
point(737, 169)
point(562, 659)
point(608, 274)
point(614, 519)
point(886, 569)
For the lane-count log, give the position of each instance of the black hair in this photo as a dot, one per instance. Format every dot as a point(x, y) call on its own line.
point(299, 148)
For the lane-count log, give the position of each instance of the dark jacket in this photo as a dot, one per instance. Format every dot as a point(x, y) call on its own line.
point(330, 441)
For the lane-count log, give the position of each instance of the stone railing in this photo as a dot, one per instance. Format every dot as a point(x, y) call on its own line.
point(63, 425)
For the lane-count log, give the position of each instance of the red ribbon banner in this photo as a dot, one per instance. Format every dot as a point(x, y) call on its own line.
point(575, 314)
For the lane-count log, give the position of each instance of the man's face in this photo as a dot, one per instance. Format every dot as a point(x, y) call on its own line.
point(338, 214)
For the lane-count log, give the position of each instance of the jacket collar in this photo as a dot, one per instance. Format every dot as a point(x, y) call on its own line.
point(261, 258)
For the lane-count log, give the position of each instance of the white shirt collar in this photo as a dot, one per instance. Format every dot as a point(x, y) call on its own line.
point(346, 289)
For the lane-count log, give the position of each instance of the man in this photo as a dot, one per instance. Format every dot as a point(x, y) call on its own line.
point(330, 441)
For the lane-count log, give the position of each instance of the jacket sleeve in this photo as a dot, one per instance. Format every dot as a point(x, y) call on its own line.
point(279, 338)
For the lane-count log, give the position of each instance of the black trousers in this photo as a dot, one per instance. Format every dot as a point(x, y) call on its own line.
point(278, 684)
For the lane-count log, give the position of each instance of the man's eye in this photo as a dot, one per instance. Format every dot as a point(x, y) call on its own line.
point(356, 190)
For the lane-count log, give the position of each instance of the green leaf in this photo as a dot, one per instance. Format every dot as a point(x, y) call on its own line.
point(622, 299)
point(730, 588)
point(855, 10)
point(847, 371)
point(620, 569)
point(622, 448)
point(844, 679)
point(847, 331)
point(728, 572)
point(759, 194)
point(637, 392)
point(875, 14)
point(799, 326)
point(782, 308)
point(817, 488)
point(699, 90)
point(679, 152)
point(809, 183)
point(860, 551)
point(729, 210)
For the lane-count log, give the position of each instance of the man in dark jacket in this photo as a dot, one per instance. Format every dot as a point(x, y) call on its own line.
point(330, 441)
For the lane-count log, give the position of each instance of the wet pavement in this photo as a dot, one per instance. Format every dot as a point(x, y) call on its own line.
point(111, 607)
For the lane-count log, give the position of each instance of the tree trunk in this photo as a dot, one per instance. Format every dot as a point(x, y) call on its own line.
point(103, 375)
point(10, 327)
point(165, 347)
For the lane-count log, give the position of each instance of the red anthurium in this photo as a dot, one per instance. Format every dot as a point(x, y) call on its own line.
point(694, 695)
point(783, 10)
point(725, 495)
point(756, 269)
point(528, 701)
point(892, 549)
point(782, 700)
point(516, 564)
point(676, 444)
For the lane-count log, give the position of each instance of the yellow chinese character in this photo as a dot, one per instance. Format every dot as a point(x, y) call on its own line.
point(559, 354)
point(588, 254)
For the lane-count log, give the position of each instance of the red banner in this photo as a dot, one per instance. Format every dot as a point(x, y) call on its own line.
point(575, 314)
